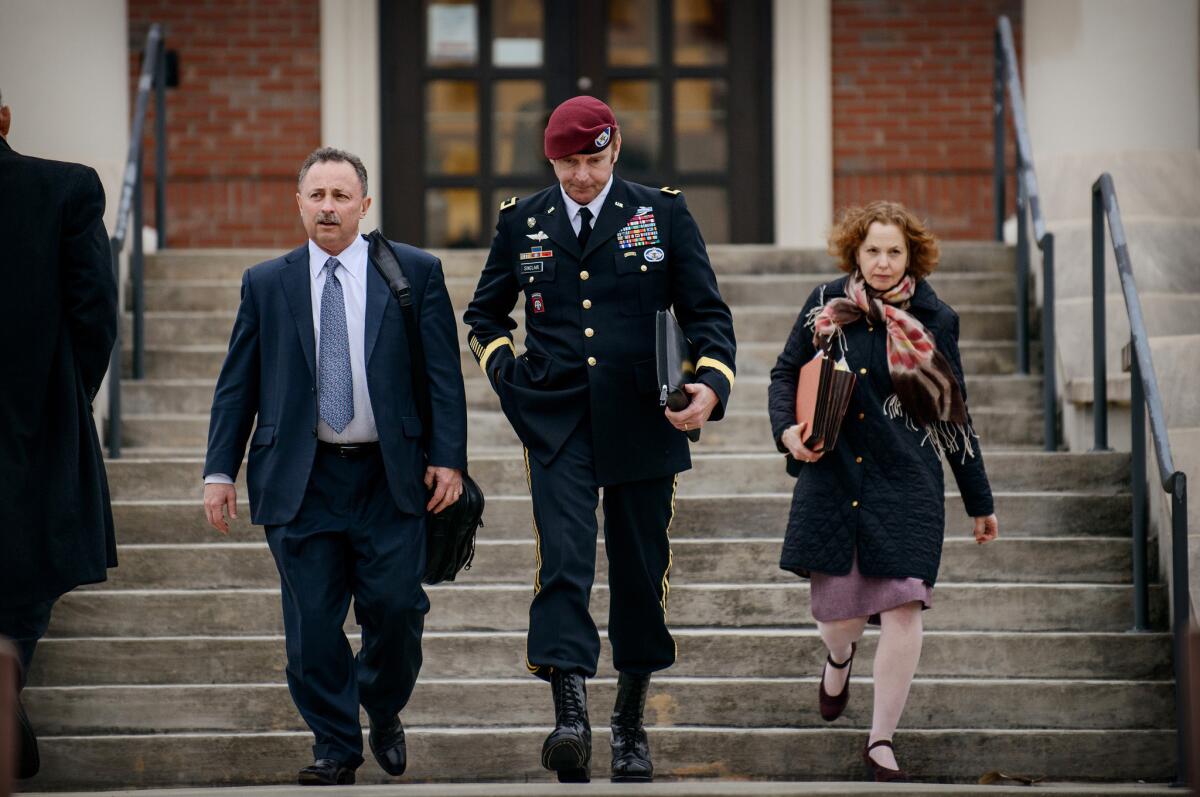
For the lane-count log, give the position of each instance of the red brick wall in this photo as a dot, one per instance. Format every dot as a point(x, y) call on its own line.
point(245, 115)
point(912, 99)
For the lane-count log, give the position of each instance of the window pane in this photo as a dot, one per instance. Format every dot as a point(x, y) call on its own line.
point(452, 217)
point(451, 127)
point(632, 33)
point(635, 104)
point(451, 32)
point(701, 125)
point(517, 32)
point(701, 32)
point(518, 124)
point(710, 207)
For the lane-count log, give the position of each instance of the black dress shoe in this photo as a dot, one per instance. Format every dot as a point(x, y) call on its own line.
point(630, 747)
point(326, 772)
point(388, 746)
point(568, 749)
point(28, 761)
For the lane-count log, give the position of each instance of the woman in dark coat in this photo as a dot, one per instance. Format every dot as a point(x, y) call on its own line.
point(867, 517)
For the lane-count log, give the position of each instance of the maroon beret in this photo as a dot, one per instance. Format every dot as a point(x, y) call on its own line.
point(581, 125)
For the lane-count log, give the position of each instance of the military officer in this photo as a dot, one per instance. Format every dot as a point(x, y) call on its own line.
point(592, 259)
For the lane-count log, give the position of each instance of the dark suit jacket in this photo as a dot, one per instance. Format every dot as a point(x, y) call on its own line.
point(58, 322)
point(270, 372)
point(644, 254)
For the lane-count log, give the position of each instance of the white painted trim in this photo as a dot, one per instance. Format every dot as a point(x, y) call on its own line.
point(350, 88)
point(803, 121)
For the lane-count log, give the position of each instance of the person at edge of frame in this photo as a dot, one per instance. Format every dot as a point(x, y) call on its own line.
point(337, 473)
point(592, 259)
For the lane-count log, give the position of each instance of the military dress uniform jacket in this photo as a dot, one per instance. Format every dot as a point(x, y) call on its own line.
point(589, 318)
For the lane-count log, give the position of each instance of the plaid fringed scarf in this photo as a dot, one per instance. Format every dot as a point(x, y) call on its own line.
point(926, 392)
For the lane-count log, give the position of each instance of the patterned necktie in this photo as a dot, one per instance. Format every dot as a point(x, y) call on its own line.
point(336, 382)
point(585, 227)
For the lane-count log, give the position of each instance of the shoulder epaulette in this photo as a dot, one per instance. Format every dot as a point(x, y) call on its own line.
point(666, 189)
point(508, 203)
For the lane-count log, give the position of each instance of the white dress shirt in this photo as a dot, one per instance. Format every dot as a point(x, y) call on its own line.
point(352, 273)
point(594, 206)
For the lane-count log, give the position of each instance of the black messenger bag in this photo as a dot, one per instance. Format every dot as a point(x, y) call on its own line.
point(450, 543)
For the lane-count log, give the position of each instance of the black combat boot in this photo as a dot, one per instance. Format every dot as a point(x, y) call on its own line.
point(630, 748)
point(568, 749)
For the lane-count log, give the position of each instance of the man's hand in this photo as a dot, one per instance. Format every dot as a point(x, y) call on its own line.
point(987, 528)
point(217, 499)
point(446, 484)
point(793, 438)
point(695, 414)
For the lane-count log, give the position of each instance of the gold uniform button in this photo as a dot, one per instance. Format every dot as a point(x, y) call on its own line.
point(862, 370)
point(854, 503)
point(870, 329)
point(589, 332)
point(644, 267)
point(531, 279)
point(583, 275)
point(862, 415)
point(858, 460)
point(587, 304)
point(591, 360)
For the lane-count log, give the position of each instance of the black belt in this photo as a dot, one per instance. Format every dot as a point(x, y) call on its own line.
point(349, 450)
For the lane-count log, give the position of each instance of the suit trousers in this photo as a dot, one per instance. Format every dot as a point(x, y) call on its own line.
point(25, 626)
point(349, 539)
point(637, 520)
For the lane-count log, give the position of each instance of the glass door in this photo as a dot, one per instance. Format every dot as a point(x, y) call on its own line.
point(468, 86)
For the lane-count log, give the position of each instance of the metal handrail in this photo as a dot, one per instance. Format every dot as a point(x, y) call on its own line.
point(1146, 396)
point(1007, 76)
point(152, 78)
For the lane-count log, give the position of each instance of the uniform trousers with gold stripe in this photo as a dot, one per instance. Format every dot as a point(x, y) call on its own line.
point(637, 520)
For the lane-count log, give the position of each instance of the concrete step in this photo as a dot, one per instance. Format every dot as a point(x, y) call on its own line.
point(504, 473)
point(980, 703)
point(956, 256)
point(1021, 514)
point(995, 356)
point(194, 396)
point(180, 317)
point(741, 291)
point(731, 652)
point(676, 788)
point(180, 759)
point(505, 607)
point(739, 430)
point(697, 560)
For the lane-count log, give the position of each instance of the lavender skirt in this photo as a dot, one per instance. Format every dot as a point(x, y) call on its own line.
point(855, 595)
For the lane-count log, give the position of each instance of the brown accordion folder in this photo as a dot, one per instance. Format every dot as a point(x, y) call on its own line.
point(822, 396)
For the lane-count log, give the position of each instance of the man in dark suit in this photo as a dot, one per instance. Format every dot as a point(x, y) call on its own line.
point(337, 472)
point(596, 257)
point(58, 322)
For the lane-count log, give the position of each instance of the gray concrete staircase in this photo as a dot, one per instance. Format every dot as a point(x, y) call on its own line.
point(171, 674)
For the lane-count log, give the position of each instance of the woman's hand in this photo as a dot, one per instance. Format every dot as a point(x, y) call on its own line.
point(793, 439)
point(986, 528)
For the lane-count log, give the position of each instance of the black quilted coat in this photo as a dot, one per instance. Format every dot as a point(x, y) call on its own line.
point(898, 522)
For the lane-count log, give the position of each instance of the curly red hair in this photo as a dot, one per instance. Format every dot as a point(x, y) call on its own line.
point(851, 229)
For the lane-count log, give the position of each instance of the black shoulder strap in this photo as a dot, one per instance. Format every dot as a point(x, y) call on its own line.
point(384, 259)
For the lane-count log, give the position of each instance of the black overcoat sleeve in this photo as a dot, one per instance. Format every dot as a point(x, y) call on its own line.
point(702, 313)
point(968, 470)
point(89, 287)
point(489, 315)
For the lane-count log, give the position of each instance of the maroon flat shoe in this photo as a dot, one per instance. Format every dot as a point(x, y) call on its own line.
point(878, 772)
point(833, 706)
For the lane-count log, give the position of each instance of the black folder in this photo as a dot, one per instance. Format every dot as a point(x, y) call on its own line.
point(676, 367)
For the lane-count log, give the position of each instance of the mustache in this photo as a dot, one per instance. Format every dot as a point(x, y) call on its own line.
point(328, 218)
